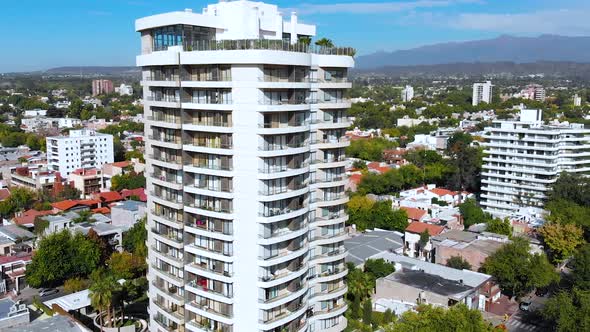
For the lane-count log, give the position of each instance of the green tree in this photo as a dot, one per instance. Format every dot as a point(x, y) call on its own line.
point(62, 256)
point(561, 240)
point(378, 268)
point(471, 212)
point(499, 226)
point(325, 42)
point(427, 318)
point(125, 265)
point(129, 180)
point(74, 285)
point(102, 288)
point(569, 311)
point(360, 284)
point(517, 271)
point(134, 239)
point(581, 268)
point(457, 262)
point(367, 312)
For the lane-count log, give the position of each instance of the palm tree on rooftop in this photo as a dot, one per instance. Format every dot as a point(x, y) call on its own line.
point(325, 42)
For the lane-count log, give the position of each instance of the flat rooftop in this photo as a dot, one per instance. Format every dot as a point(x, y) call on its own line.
point(430, 282)
point(364, 246)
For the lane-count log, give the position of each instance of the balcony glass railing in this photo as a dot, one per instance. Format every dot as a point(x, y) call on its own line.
point(264, 44)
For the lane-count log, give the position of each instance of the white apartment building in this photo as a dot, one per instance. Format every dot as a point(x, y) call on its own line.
point(407, 93)
point(577, 100)
point(124, 90)
point(482, 92)
point(82, 149)
point(523, 158)
point(245, 161)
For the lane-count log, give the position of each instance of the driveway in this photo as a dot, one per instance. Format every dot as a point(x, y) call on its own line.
point(27, 294)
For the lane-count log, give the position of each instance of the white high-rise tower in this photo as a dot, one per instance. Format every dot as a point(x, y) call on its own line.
point(245, 155)
point(482, 92)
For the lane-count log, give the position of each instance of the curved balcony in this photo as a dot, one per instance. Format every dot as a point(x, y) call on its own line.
point(209, 273)
point(282, 128)
point(169, 201)
point(170, 181)
point(335, 274)
point(324, 296)
point(170, 293)
point(166, 219)
point(283, 298)
point(334, 104)
point(331, 256)
point(283, 235)
point(284, 194)
point(329, 162)
point(318, 240)
point(329, 313)
point(165, 122)
point(288, 315)
point(202, 227)
point(284, 256)
point(197, 289)
point(166, 142)
point(341, 142)
point(282, 214)
point(174, 163)
point(166, 275)
point(163, 101)
point(208, 253)
point(208, 169)
point(331, 201)
point(328, 182)
point(283, 150)
point(208, 191)
point(205, 311)
point(208, 126)
point(219, 149)
point(284, 171)
point(284, 276)
point(167, 257)
point(170, 238)
point(208, 211)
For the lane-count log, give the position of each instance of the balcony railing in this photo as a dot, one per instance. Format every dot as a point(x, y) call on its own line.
point(279, 211)
point(264, 44)
point(168, 99)
point(208, 166)
point(287, 101)
point(195, 122)
point(277, 147)
point(208, 145)
point(212, 101)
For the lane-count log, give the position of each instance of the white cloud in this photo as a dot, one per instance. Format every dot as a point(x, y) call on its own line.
point(374, 7)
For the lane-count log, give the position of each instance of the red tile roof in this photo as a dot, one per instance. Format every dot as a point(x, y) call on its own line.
point(414, 213)
point(108, 197)
point(355, 178)
point(419, 227)
point(102, 210)
point(28, 217)
point(121, 164)
point(375, 166)
point(139, 192)
point(4, 194)
point(70, 203)
point(443, 192)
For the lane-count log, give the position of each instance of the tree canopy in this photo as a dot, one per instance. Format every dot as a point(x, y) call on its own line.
point(62, 256)
point(368, 214)
point(457, 262)
point(517, 270)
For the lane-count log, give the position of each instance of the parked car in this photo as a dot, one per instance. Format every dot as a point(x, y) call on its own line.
point(47, 291)
point(525, 305)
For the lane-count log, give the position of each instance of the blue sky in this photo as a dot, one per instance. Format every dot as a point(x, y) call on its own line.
point(40, 34)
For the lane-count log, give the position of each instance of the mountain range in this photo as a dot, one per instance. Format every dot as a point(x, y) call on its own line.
point(501, 49)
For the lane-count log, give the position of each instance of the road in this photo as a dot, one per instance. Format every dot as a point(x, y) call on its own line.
point(27, 294)
point(522, 321)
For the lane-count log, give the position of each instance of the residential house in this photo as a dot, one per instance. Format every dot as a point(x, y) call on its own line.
point(126, 214)
point(412, 245)
point(363, 246)
point(13, 314)
point(472, 247)
point(88, 181)
point(427, 283)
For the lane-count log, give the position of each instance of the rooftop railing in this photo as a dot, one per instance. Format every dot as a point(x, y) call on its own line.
point(264, 44)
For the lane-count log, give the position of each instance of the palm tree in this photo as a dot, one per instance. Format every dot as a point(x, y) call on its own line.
point(325, 42)
point(101, 295)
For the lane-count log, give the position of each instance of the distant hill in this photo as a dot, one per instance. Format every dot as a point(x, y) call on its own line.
point(548, 68)
point(501, 49)
point(95, 70)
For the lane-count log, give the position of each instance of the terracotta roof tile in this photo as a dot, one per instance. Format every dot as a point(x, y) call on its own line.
point(419, 227)
point(414, 213)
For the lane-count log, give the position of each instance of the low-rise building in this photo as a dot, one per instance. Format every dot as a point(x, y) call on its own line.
point(126, 214)
point(427, 283)
point(363, 246)
point(412, 244)
point(12, 273)
point(35, 177)
point(13, 314)
point(88, 181)
point(472, 247)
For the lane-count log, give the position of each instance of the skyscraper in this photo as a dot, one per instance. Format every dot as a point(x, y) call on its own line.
point(245, 155)
point(482, 92)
